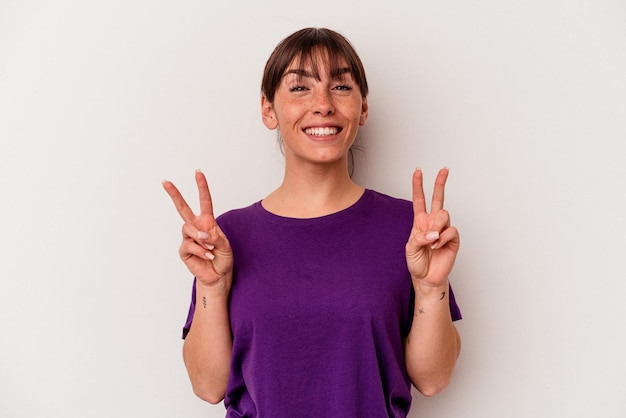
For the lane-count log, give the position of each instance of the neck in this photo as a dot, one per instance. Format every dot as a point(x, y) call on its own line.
point(313, 191)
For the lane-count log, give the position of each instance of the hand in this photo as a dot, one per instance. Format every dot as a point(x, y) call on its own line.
point(205, 250)
point(433, 244)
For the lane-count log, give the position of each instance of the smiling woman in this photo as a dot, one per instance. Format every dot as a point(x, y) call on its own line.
point(325, 51)
point(318, 111)
point(324, 299)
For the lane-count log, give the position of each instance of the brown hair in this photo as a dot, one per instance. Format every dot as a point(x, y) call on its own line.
point(307, 44)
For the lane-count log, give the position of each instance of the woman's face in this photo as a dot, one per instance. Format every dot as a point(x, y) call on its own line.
point(318, 119)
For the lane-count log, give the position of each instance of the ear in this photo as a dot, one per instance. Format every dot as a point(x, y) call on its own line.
point(268, 113)
point(364, 112)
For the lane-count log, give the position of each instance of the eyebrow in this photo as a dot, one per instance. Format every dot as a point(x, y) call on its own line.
point(335, 73)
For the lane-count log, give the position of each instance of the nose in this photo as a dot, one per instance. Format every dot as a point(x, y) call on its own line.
point(323, 103)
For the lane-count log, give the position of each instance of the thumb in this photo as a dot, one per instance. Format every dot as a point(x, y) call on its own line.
point(423, 239)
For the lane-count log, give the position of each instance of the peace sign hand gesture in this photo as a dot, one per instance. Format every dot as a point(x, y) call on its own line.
point(205, 250)
point(433, 243)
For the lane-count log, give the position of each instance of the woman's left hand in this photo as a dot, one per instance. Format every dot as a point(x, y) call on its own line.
point(433, 244)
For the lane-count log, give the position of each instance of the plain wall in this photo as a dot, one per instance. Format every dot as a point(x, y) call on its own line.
point(100, 101)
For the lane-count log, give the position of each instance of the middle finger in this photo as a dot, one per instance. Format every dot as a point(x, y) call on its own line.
point(181, 205)
point(439, 190)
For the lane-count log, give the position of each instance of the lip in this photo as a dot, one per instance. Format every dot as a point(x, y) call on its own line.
point(322, 131)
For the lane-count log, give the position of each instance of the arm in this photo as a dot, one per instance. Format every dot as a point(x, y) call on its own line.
point(208, 345)
point(208, 256)
point(433, 343)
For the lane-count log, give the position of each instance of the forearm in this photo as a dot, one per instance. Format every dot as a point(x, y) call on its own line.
point(208, 346)
point(433, 343)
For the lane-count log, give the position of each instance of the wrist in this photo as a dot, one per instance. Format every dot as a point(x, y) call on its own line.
point(216, 289)
point(428, 290)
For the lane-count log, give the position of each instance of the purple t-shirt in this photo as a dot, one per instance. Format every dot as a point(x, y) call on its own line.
point(319, 309)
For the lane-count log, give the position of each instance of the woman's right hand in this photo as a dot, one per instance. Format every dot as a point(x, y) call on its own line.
point(205, 250)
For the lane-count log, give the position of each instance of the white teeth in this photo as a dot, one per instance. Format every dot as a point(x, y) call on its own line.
point(321, 131)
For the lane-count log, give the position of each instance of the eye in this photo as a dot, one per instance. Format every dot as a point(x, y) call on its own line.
point(343, 87)
point(297, 88)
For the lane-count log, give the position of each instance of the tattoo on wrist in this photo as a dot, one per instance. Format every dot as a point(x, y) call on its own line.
point(204, 301)
point(443, 295)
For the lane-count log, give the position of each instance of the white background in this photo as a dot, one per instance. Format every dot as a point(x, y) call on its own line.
point(100, 101)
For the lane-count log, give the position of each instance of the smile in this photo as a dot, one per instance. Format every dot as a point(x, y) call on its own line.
point(325, 131)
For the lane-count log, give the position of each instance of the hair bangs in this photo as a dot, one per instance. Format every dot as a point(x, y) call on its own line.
point(314, 48)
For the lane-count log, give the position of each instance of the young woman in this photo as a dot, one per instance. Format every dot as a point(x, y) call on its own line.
point(324, 299)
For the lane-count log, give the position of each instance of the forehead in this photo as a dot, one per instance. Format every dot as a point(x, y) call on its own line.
point(317, 62)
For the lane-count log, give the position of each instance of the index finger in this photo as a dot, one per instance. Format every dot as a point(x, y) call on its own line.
point(438, 191)
point(182, 207)
point(419, 201)
point(206, 204)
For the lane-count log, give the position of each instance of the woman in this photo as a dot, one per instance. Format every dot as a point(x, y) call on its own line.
point(324, 299)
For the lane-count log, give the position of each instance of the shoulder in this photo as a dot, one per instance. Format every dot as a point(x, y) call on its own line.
point(239, 218)
point(389, 204)
point(245, 212)
point(387, 212)
point(387, 199)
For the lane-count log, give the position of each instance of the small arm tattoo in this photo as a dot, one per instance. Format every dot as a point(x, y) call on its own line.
point(443, 295)
point(420, 310)
point(204, 301)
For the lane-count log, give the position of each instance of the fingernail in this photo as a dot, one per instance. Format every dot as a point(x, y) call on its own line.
point(203, 235)
point(209, 256)
point(432, 247)
point(432, 235)
point(209, 247)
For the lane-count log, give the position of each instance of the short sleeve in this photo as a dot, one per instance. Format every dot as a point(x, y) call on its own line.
point(455, 311)
point(192, 308)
